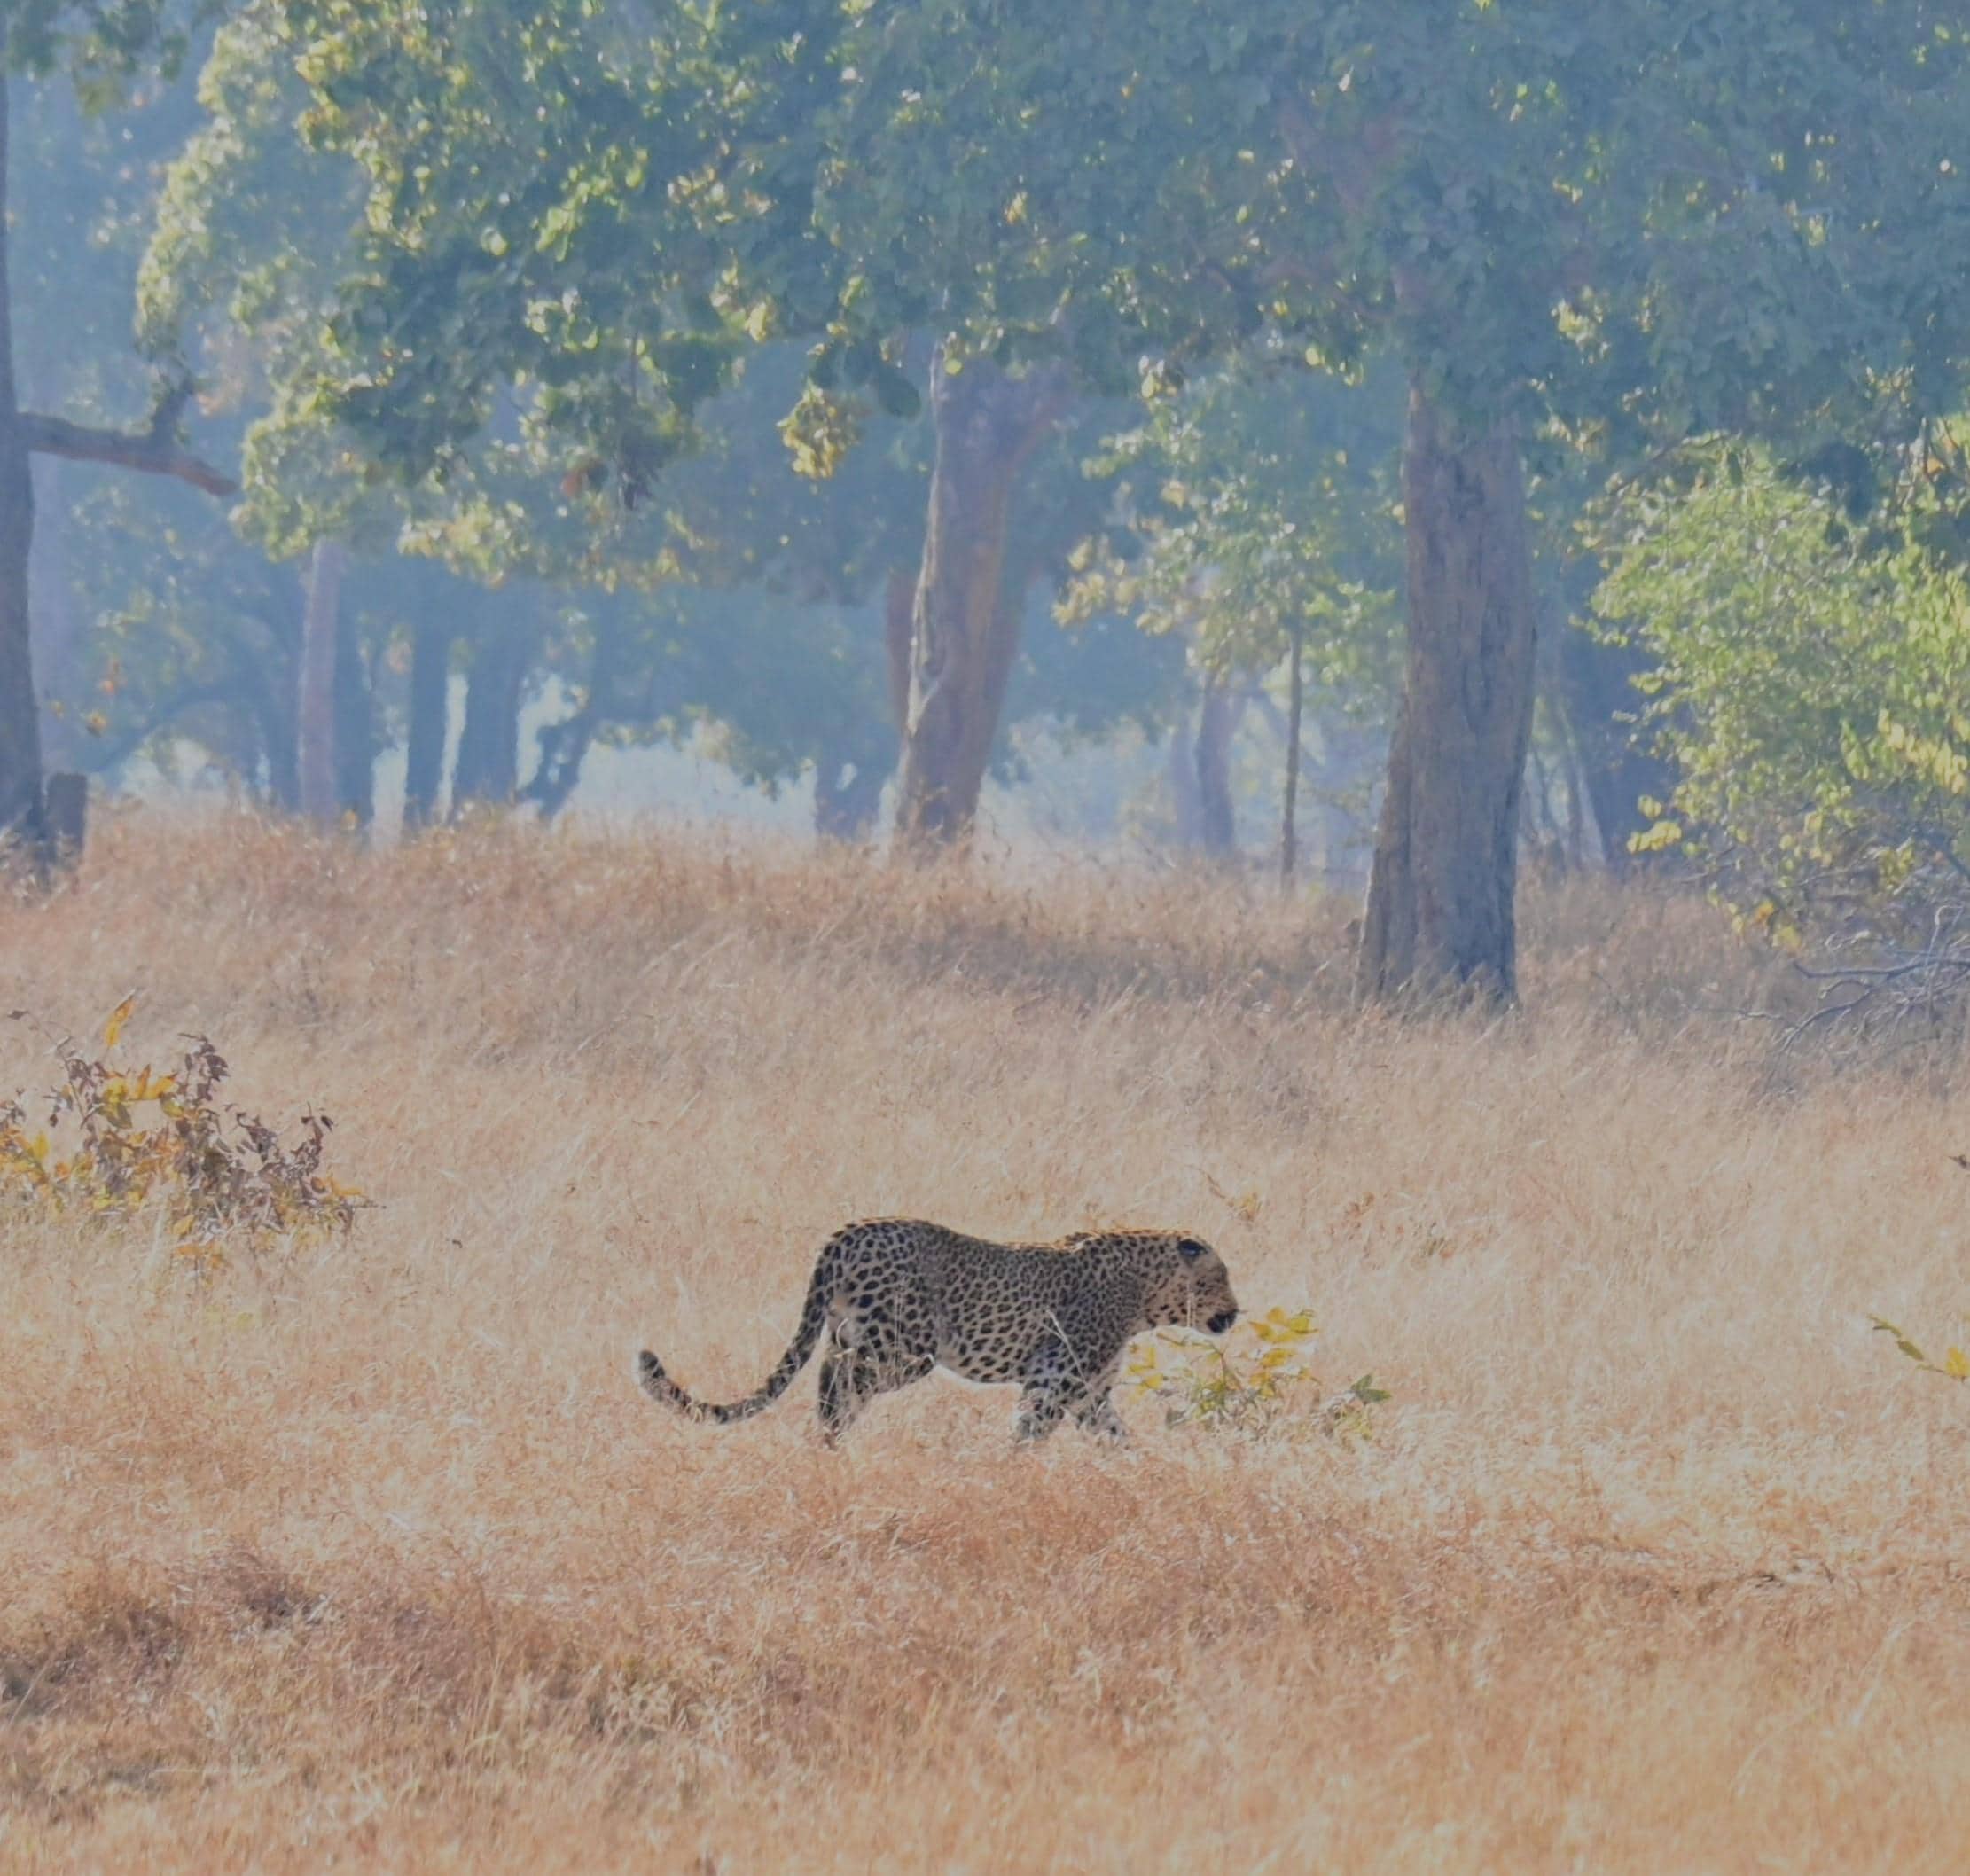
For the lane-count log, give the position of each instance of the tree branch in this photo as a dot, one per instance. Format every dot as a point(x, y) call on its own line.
point(153, 452)
point(104, 756)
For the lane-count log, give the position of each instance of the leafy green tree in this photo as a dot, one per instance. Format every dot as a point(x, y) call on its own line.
point(255, 229)
point(1598, 230)
point(773, 607)
point(578, 215)
point(1257, 523)
point(1811, 675)
point(1604, 228)
point(1590, 230)
point(100, 46)
point(532, 466)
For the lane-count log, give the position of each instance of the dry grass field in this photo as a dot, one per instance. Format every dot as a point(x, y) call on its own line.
point(370, 1556)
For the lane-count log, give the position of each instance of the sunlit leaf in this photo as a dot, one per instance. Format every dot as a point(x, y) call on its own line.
point(113, 1030)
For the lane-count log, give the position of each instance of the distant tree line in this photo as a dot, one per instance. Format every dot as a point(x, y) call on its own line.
point(1405, 388)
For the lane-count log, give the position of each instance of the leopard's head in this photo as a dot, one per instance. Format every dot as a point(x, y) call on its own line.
point(1189, 1285)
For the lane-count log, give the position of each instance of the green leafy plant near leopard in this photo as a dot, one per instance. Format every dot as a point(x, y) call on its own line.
point(1263, 1387)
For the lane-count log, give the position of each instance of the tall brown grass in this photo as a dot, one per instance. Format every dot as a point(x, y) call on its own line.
point(372, 1557)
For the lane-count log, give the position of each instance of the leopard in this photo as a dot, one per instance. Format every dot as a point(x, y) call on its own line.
point(898, 1298)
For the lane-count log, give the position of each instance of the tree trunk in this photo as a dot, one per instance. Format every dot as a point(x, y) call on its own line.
point(315, 711)
point(1295, 715)
point(22, 818)
point(1186, 808)
point(1439, 915)
point(57, 645)
point(848, 793)
point(354, 733)
point(274, 710)
point(67, 805)
point(1217, 726)
point(964, 629)
point(489, 742)
point(564, 748)
point(1597, 686)
point(430, 709)
point(899, 611)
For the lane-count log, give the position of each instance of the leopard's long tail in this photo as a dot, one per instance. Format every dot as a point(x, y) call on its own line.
point(659, 1387)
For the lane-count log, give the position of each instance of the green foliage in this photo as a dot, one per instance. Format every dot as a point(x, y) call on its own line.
point(103, 44)
point(493, 278)
point(1258, 1383)
point(1626, 220)
point(120, 1142)
point(1256, 503)
point(1813, 685)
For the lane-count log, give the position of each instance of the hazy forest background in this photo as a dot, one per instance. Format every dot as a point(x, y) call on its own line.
point(632, 628)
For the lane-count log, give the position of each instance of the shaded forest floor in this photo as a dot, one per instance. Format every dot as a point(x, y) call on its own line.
point(373, 1556)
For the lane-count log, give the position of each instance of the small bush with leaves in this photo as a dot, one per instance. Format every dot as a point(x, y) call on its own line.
point(125, 1142)
point(1255, 1382)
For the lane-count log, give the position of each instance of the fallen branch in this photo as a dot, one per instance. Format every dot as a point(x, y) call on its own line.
point(1899, 987)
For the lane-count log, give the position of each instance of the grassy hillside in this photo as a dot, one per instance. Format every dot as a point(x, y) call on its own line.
point(372, 1554)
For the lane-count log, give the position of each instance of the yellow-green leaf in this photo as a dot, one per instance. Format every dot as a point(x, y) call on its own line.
point(113, 1029)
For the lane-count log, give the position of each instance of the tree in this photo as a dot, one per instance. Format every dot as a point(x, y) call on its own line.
point(527, 446)
point(99, 45)
point(531, 465)
point(1598, 230)
point(569, 138)
point(321, 640)
point(1808, 666)
point(1255, 522)
point(964, 620)
point(1592, 229)
point(1593, 232)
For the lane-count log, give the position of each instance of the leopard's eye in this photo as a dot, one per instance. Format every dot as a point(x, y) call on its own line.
point(1190, 1249)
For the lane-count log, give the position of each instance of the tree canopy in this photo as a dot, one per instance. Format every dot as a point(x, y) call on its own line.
point(776, 374)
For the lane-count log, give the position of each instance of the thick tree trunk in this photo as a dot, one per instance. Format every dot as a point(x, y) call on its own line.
point(1217, 726)
point(23, 823)
point(354, 733)
point(966, 625)
point(899, 613)
point(488, 741)
point(1295, 716)
point(315, 710)
point(1617, 768)
point(273, 708)
point(1185, 806)
point(1440, 916)
point(848, 793)
point(430, 709)
point(67, 805)
point(58, 650)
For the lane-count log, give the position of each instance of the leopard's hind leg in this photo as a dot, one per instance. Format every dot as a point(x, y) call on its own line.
point(859, 1364)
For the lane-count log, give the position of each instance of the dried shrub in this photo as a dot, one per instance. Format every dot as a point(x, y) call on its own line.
point(123, 1143)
